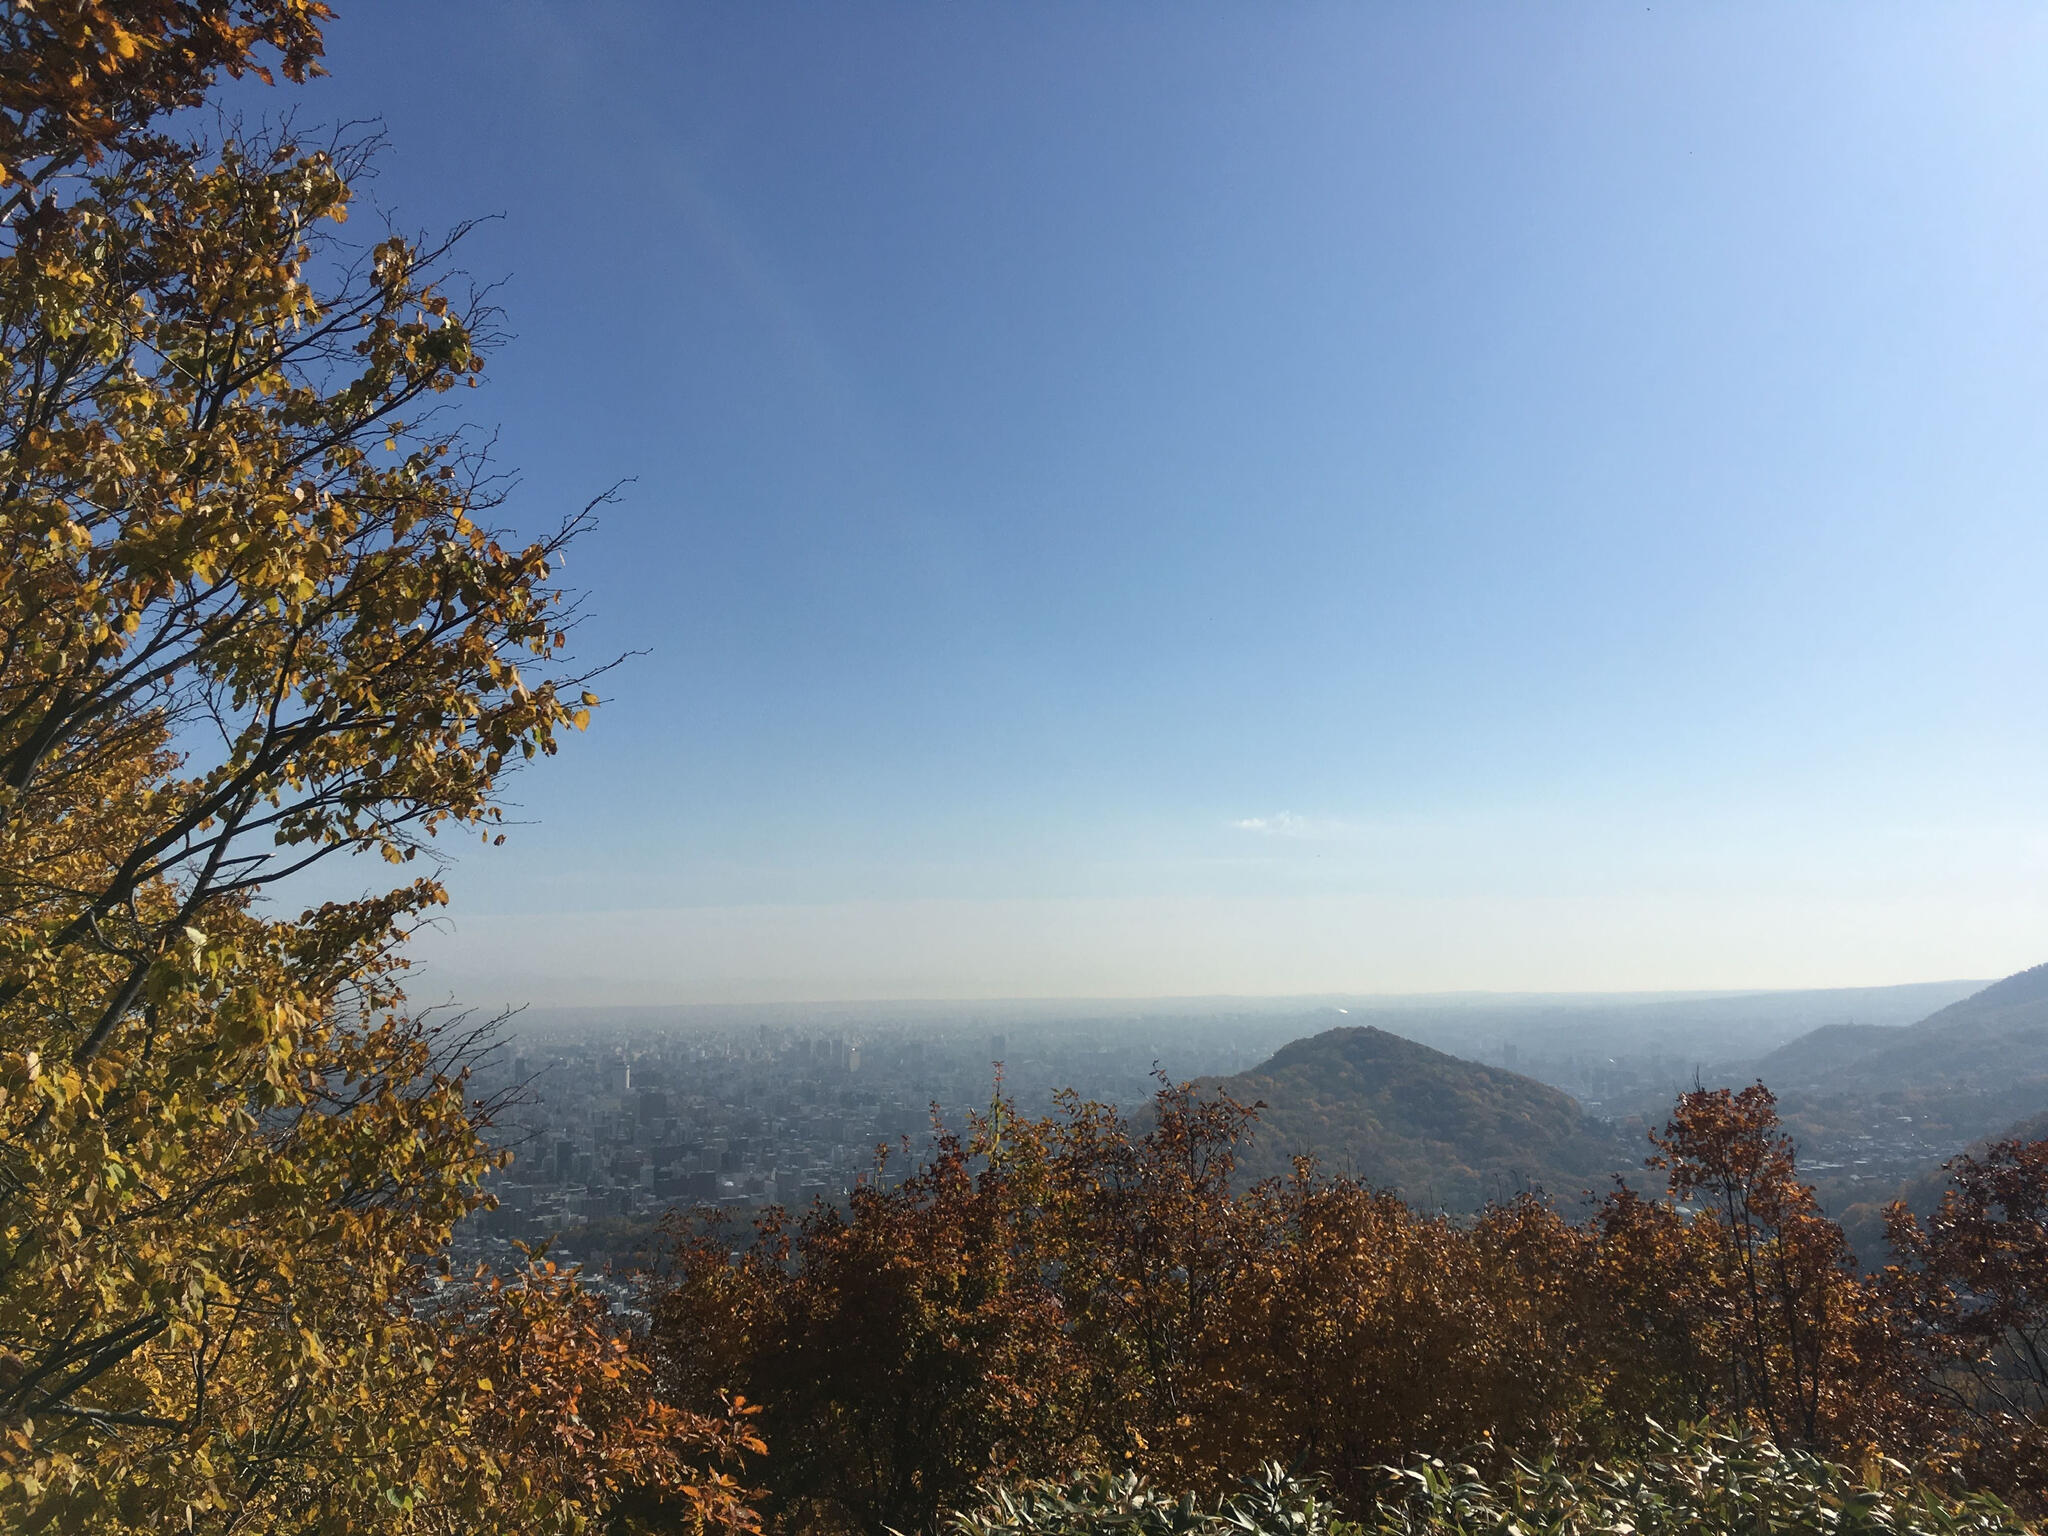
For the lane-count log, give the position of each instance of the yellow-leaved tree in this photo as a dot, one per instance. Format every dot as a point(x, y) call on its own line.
point(251, 618)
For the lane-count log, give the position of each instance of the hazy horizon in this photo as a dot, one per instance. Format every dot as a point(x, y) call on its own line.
point(650, 958)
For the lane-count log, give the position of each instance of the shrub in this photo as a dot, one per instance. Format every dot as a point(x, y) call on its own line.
point(1696, 1482)
point(1690, 1483)
point(1268, 1503)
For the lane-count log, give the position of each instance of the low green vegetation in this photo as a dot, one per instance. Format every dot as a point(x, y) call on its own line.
point(1270, 1502)
point(1695, 1482)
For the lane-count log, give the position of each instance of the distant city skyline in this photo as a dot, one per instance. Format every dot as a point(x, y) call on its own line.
point(1130, 502)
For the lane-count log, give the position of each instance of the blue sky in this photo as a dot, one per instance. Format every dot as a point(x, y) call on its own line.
point(1144, 499)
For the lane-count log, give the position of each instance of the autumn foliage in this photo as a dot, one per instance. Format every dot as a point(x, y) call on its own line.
point(1972, 1289)
point(1088, 1291)
point(253, 616)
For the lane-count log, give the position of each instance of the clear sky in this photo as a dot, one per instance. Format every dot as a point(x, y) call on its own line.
point(1146, 498)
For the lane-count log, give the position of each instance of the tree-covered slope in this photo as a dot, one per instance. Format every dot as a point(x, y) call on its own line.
point(1821, 1055)
point(1988, 1042)
point(1442, 1131)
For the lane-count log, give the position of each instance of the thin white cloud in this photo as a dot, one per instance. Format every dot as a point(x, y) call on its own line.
point(1287, 824)
point(1282, 822)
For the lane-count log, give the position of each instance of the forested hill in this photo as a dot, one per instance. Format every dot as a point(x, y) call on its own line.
point(1445, 1132)
point(1816, 1056)
point(1990, 1041)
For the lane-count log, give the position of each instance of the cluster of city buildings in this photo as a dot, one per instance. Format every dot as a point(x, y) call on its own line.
point(611, 1129)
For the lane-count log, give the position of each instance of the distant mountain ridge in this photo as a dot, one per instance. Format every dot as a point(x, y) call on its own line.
point(1816, 1056)
point(1989, 1041)
point(1444, 1132)
point(1876, 1109)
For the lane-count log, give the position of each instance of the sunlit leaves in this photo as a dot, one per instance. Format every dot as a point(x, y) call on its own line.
point(1971, 1288)
point(1084, 1291)
point(251, 617)
point(1673, 1484)
point(86, 76)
